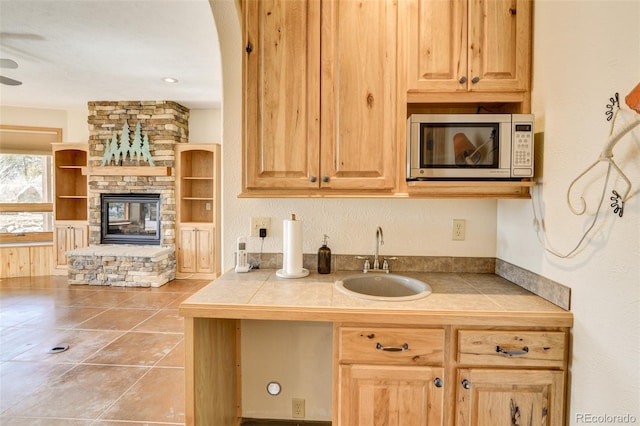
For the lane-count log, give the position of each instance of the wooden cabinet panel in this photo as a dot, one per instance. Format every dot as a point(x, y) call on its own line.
point(358, 94)
point(392, 396)
point(25, 261)
point(196, 248)
point(510, 397)
point(512, 348)
point(469, 46)
point(366, 345)
point(499, 45)
point(69, 236)
point(319, 116)
point(437, 45)
point(281, 93)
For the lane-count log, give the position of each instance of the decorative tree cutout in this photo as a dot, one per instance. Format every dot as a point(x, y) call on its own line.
point(126, 151)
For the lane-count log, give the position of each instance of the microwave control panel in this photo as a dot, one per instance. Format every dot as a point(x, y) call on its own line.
point(522, 164)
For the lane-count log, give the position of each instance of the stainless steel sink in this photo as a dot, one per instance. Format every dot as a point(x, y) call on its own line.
point(387, 287)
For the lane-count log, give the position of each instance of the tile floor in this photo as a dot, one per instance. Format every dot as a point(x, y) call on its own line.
point(124, 365)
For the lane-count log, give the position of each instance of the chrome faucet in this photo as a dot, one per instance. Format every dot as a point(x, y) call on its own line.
point(376, 258)
point(379, 242)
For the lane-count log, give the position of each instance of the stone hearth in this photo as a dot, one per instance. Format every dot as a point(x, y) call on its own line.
point(122, 265)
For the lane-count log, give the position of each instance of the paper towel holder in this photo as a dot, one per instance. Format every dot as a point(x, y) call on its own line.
point(292, 233)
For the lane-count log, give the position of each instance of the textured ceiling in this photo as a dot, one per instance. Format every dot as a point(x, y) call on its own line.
point(73, 52)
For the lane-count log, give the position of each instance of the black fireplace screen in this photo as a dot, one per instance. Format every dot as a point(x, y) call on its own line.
point(130, 219)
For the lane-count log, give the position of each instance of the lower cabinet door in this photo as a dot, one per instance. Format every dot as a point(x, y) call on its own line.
point(493, 397)
point(69, 237)
point(377, 395)
point(195, 249)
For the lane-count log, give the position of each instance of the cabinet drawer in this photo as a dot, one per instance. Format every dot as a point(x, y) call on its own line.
point(398, 346)
point(517, 348)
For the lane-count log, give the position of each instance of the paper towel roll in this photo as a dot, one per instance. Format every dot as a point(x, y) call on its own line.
point(292, 250)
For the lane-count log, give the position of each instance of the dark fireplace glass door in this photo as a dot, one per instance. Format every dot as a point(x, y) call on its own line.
point(130, 219)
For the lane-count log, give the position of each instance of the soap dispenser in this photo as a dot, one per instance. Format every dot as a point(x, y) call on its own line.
point(324, 257)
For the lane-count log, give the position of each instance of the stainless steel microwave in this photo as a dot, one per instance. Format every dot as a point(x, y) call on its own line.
point(469, 146)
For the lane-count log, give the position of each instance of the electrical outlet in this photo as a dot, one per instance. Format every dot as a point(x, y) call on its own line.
point(260, 222)
point(297, 408)
point(458, 229)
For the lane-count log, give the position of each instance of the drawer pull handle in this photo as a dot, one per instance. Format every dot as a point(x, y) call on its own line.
point(392, 348)
point(524, 351)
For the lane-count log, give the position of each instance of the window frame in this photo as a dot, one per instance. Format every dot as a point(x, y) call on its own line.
point(39, 132)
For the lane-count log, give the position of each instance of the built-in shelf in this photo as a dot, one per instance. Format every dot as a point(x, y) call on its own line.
point(197, 197)
point(127, 171)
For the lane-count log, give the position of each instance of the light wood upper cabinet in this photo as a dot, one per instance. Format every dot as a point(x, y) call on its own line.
point(469, 46)
point(281, 119)
point(319, 116)
point(358, 107)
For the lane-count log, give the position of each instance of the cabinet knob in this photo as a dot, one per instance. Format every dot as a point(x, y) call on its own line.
point(325, 178)
point(475, 79)
point(313, 178)
point(248, 48)
point(438, 382)
point(466, 384)
point(463, 79)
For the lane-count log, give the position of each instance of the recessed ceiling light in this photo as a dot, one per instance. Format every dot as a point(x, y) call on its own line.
point(170, 80)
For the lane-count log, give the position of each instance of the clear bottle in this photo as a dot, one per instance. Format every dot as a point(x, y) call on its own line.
point(324, 257)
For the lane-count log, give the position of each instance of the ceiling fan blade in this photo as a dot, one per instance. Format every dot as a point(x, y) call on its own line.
point(8, 63)
point(9, 81)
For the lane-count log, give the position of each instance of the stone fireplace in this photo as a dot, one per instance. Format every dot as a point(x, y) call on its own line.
point(136, 246)
point(166, 123)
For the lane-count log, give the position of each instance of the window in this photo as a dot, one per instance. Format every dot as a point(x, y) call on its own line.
point(26, 206)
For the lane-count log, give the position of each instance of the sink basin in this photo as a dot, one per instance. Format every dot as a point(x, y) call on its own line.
point(387, 287)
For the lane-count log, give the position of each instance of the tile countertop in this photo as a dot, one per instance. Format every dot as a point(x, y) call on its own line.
point(456, 299)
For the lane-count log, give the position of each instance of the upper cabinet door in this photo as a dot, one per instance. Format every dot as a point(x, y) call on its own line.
point(468, 46)
point(499, 45)
point(358, 108)
point(437, 45)
point(281, 93)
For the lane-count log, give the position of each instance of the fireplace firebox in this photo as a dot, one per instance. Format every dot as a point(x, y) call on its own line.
point(130, 219)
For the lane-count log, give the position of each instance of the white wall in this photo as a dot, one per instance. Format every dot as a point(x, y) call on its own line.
point(584, 52)
point(204, 124)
